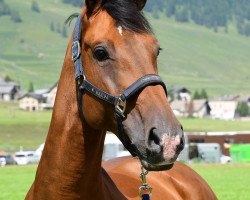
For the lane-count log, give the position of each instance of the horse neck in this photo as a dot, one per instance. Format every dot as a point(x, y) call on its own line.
point(70, 166)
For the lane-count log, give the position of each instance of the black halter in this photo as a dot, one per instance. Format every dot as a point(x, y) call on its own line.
point(119, 102)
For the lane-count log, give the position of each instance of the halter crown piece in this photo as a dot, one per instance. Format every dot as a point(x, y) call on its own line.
point(119, 102)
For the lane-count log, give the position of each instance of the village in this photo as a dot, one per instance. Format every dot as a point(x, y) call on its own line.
point(181, 101)
point(209, 147)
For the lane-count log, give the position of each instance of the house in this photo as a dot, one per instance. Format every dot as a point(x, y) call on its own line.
point(50, 96)
point(196, 108)
point(9, 90)
point(201, 108)
point(222, 109)
point(180, 93)
point(31, 102)
point(40, 100)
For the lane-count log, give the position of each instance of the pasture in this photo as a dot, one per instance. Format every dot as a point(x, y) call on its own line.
point(193, 56)
point(229, 182)
point(29, 129)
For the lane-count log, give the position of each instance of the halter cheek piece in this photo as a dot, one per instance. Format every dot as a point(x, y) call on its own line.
point(119, 102)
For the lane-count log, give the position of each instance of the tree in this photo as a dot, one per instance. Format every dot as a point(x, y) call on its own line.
point(31, 87)
point(243, 109)
point(203, 94)
point(15, 17)
point(171, 95)
point(78, 3)
point(7, 78)
point(35, 7)
point(196, 95)
point(181, 15)
point(4, 8)
point(247, 29)
point(52, 26)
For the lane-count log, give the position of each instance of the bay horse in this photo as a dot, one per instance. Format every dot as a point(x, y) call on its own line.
point(109, 82)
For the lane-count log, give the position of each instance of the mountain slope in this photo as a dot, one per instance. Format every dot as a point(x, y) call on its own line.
point(192, 56)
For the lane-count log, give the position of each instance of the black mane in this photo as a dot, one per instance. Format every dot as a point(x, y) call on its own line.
point(127, 15)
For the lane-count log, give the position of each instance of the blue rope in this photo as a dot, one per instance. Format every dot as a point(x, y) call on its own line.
point(145, 197)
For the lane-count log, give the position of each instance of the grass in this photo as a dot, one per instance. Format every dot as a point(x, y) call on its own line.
point(22, 128)
point(229, 182)
point(193, 56)
point(15, 181)
point(29, 129)
point(210, 125)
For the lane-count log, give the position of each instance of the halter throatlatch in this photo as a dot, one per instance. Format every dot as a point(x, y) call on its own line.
point(119, 102)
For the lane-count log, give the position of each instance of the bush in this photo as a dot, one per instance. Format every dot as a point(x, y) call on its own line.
point(15, 17)
point(4, 8)
point(35, 7)
point(242, 109)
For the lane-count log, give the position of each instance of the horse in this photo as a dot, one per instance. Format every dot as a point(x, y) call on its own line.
point(109, 82)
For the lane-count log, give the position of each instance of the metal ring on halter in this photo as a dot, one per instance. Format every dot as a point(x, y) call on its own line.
point(145, 188)
point(76, 50)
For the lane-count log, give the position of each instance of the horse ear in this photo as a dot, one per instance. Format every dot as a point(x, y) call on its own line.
point(91, 4)
point(140, 3)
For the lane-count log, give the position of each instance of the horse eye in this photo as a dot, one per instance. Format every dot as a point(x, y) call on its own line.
point(100, 54)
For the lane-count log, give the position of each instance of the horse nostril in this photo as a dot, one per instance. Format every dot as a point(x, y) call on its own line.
point(154, 141)
point(180, 147)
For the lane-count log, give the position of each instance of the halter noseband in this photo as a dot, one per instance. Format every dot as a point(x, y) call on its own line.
point(119, 102)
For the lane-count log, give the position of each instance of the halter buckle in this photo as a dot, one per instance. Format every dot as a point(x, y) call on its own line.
point(120, 106)
point(75, 53)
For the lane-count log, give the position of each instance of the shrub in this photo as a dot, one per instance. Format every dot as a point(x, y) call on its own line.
point(35, 7)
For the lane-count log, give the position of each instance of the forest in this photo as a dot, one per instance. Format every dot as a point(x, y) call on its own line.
point(213, 14)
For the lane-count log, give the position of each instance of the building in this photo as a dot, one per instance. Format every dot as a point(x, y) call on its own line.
point(50, 96)
point(179, 93)
point(9, 90)
point(196, 108)
point(40, 100)
point(221, 109)
point(31, 102)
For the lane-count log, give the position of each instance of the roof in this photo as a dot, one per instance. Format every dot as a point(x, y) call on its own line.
point(6, 89)
point(45, 90)
point(226, 98)
point(55, 85)
point(178, 89)
point(32, 95)
point(41, 91)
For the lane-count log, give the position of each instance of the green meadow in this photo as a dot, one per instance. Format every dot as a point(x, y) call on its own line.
point(29, 129)
point(193, 56)
point(229, 182)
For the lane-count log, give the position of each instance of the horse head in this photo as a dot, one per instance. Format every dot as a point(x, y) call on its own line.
point(117, 49)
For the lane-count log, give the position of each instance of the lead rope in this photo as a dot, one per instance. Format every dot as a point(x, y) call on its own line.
point(145, 191)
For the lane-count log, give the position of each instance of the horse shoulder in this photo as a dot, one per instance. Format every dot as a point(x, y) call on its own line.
point(181, 182)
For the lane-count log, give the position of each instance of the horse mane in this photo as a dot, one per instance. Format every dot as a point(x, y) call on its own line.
point(125, 13)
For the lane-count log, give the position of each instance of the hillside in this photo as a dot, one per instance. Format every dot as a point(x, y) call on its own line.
point(192, 56)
